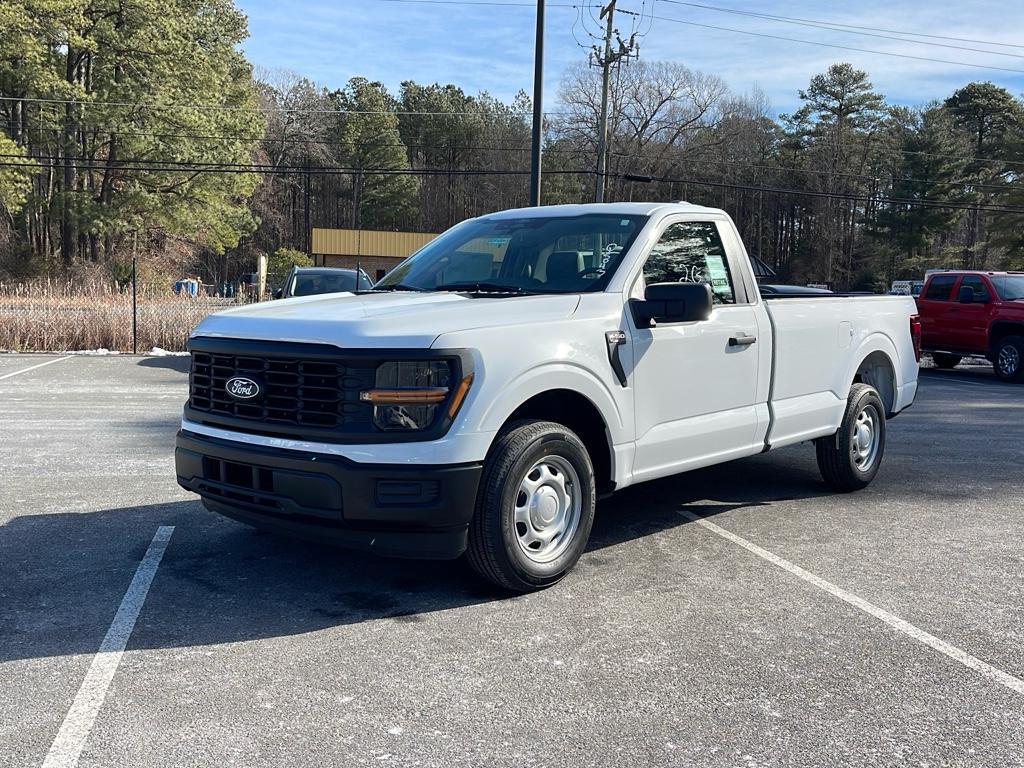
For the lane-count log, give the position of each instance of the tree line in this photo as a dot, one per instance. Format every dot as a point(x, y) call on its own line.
point(138, 128)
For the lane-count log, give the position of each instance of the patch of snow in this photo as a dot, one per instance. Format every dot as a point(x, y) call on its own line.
point(160, 352)
point(101, 352)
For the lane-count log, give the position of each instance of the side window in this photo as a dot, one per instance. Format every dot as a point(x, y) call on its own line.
point(940, 287)
point(691, 252)
point(981, 295)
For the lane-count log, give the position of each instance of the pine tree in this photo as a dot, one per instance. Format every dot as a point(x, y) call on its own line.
point(928, 169)
point(369, 142)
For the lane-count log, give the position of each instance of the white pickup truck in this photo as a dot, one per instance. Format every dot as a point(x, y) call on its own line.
point(490, 389)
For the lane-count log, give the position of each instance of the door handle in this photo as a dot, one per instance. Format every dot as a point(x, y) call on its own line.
point(742, 340)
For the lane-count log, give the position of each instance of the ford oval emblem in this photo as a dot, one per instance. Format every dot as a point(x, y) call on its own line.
point(243, 388)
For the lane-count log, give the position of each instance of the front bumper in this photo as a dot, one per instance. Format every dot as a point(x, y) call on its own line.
point(396, 510)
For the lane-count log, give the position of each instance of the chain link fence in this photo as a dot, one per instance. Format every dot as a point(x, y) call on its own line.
point(63, 317)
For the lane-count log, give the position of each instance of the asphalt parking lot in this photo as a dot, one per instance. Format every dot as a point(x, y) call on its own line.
point(670, 645)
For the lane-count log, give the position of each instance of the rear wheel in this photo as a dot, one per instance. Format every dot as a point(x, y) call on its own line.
point(1009, 358)
point(946, 360)
point(849, 459)
point(535, 507)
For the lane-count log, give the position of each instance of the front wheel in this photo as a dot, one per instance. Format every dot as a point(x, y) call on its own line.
point(849, 459)
point(1009, 358)
point(535, 507)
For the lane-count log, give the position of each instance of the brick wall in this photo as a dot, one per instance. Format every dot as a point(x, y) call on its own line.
point(374, 266)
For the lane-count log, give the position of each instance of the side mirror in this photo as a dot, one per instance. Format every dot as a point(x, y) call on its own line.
point(965, 294)
point(672, 303)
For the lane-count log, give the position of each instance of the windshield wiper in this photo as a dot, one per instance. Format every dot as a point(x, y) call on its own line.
point(483, 287)
point(399, 287)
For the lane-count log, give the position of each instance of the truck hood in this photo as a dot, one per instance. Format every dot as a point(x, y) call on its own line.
point(397, 319)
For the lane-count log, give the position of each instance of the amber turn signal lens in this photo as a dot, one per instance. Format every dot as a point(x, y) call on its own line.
point(422, 396)
point(459, 396)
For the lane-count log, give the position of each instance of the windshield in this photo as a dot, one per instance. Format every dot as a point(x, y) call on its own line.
point(1009, 287)
point(315, 283)
point(567, 254)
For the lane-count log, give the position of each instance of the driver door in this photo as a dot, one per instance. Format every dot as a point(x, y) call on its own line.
point(969, 328)
point(696, 382)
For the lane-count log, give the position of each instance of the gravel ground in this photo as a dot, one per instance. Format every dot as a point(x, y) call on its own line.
point(670, 645)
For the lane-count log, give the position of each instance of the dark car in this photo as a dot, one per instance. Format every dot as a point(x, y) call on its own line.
point(311, 281)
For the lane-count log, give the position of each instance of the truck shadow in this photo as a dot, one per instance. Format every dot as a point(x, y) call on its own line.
point(179, 363)
point(653, 507)
point(62, 576)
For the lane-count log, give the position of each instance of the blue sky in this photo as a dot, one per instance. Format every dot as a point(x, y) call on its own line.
point(489, 47)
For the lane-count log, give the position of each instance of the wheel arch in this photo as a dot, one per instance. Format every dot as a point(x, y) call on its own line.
point(576, 411)
point(877, 366)
point(1000, 329)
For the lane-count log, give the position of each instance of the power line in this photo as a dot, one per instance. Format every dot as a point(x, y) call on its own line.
point(892, 37)
point(924, 203)
point(480, 2)
point(228, 108)
point(38, 127)
point(169, 166)
point(837, 46)
point(797, 19)
point(819, 172)
point(288, 141)
point(85, 164)
point(555, 150)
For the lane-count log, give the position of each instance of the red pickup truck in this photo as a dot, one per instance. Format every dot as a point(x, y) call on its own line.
point(975, 313)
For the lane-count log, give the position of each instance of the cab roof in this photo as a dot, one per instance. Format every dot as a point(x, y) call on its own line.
point(625, 209)
point(990, 272)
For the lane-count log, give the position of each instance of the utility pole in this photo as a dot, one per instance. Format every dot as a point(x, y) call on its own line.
point(606, 58)
point(538, 113)
point(135, 294)
point(307, 231)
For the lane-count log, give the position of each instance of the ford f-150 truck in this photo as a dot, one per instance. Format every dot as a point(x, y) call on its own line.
point(492, 387)
point(975, 313)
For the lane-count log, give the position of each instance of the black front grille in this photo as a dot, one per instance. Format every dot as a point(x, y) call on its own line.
point(322, 394)
point(240, 482)
point(269, 489)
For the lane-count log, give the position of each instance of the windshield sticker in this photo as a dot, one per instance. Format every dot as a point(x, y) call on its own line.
point(500, 240)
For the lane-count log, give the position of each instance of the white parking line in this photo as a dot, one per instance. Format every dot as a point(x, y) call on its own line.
point(33, 367)
point(955, 381)
point(74, 731)
point(940, 379)
point(1013, 683)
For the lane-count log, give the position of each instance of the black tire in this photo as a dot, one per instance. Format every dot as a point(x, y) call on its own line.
point(497, 548)
point(841, 466)
point(945, 360)
point(1008, 360)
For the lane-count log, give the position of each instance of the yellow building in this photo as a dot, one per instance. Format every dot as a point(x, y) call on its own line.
point(376, 252)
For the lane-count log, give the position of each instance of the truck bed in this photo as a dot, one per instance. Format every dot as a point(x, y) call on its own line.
point(818, 343)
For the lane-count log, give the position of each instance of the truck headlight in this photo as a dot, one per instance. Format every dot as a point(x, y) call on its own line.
point(408, 395)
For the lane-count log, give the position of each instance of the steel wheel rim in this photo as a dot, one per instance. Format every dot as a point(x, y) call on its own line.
point(547, 509)
point(1009, 359)
point(865, 440)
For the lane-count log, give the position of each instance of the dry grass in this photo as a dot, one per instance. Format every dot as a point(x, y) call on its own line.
point(55, 317)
